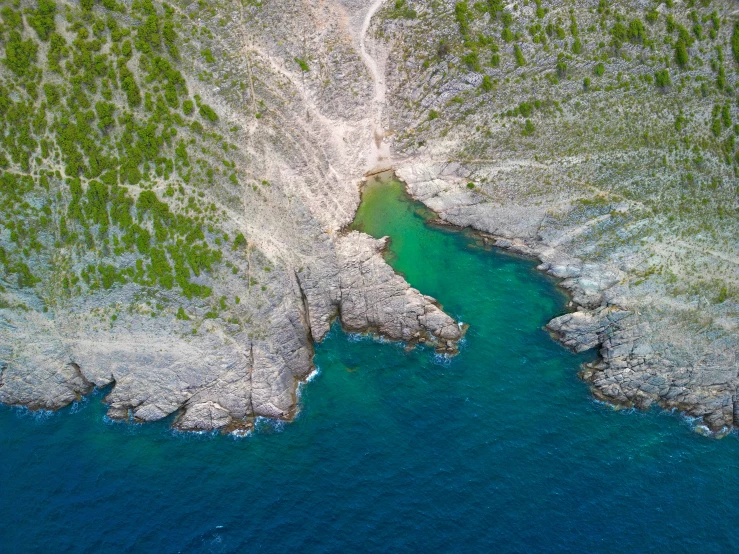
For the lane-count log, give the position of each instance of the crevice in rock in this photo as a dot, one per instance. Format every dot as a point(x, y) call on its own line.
point(306, 308)
point(251, 380)
point(87, 386)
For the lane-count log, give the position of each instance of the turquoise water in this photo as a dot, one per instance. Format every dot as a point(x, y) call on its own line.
point(499, 449)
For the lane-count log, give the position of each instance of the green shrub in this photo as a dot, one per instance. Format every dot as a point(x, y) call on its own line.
point(303, 64)
point(716, 127)
point(20, 55)
point(208, 113)
point(670, 24)
point(169, 35)
point(619, 34)
point(129, 86)
point(42, 19)
point(105, 111)
point(681, 53)
point(637, 33)
point(239, 241)
point(471, 60)
point(680, 121)
point(662, 78)
point(726, 116)
point(561, 68)
point(52, 94)
point(401, 9)
point(109, 275)
point(520, 60)
point(461, 15)
point(721, 78)
point(12, 18)
point(57, 51)
point(722, 295)
point(148, 37)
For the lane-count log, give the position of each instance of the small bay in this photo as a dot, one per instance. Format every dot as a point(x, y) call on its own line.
point(500, 448)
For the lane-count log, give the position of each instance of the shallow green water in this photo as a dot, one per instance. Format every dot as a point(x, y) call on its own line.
point(500, 448)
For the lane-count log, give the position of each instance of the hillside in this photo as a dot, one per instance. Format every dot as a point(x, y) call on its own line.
point(171, 197)
point(177, 177)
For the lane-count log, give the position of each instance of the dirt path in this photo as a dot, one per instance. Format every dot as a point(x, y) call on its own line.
point(378, 102)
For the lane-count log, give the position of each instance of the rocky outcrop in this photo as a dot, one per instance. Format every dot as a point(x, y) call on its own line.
point(585, 330)
point(374, 297)
point(213, 380)
point(40, 377)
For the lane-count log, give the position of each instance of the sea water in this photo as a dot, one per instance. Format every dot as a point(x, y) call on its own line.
point(498, 449)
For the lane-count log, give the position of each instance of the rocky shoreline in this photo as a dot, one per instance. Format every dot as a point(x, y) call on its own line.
point(296, 138)
point(308, 109)
point(222, 391)
point(632, 370)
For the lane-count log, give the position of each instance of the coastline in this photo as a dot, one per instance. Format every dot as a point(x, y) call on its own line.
point(592, 322)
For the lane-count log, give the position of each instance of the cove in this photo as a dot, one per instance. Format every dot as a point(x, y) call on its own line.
point(500, 448)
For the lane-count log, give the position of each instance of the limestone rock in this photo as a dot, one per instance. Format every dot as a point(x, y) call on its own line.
point(374, 297)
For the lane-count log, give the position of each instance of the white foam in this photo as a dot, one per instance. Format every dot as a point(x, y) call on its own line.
point(262, 422)
point(442, 359)
point(241, 433)
point(79, 405)
point(313, 374)
point(37, 415)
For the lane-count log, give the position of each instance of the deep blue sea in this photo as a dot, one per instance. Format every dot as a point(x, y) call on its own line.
point(499, 449)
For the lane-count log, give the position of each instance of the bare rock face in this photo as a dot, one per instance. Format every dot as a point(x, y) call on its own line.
point(374, 297)
point(204, 416)
point(37, 372)
point(213, 380)
point(584, 330)
point(55, 383)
